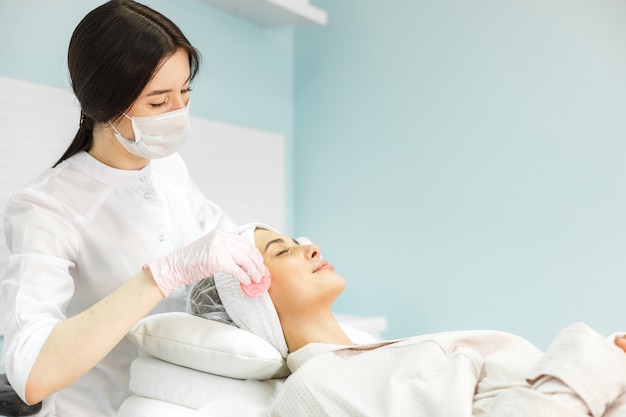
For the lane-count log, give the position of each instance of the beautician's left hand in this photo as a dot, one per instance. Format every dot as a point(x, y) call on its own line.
point(219, 251)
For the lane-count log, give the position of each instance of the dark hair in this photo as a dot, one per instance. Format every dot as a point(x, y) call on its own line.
point(114, 52)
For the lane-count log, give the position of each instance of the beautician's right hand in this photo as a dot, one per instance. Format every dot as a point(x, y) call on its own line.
point(219, 251)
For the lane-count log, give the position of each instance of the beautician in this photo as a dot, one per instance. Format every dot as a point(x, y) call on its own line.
point(116, 229)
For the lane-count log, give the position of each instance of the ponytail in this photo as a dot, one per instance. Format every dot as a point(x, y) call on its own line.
point(83, 139)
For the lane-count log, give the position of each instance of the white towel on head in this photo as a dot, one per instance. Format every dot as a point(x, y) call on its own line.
point(254, 314)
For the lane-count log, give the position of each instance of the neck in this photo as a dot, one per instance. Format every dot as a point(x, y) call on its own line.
point(299, 331)
point(107, 149)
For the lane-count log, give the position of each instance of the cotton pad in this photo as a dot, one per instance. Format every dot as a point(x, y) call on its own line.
point(256, 289)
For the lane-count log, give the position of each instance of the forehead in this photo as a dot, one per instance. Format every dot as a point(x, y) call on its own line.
point(175, 69)
point(263, 236)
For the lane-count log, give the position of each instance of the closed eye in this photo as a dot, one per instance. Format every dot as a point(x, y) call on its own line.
point(279, 241)
point(157, 105)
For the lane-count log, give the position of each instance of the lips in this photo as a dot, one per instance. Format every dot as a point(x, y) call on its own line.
point(323, 265)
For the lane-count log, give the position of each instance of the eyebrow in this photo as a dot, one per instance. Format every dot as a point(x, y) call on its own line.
point(158, 92)
point(279, 240)
point(165, 91)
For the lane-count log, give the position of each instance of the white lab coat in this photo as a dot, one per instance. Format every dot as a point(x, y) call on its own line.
point(77, 233)
point(458, 374)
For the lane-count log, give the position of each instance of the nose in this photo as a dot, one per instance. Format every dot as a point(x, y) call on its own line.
point(312, 251)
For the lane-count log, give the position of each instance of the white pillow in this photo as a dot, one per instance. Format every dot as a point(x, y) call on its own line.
point(208, 346)
point(153, 378)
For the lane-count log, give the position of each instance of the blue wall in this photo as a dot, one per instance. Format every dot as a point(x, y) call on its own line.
point(464, 163)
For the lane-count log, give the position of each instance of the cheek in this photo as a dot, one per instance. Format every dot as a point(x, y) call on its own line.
point(283, 298)
point(281, 286)
point(279, 281)
point(288, 288)
point(283, 271)
point(124, 126)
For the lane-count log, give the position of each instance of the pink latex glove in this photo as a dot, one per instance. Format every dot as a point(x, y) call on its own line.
point(219, 251)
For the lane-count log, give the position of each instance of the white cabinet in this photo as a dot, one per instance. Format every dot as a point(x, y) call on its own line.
point(274, 12)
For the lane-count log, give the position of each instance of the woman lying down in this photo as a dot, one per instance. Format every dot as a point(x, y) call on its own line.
point(453, 374)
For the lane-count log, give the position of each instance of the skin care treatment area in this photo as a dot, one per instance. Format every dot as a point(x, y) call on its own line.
point(212, 208)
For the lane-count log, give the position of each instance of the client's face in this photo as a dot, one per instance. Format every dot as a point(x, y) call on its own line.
point(301, 280)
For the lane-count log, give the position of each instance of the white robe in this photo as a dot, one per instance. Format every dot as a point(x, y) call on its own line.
point(458, 374)
point(77, 233)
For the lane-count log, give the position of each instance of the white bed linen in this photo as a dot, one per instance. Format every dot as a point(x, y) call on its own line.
point(209, 394)
point(137, 406)
point(164, 389)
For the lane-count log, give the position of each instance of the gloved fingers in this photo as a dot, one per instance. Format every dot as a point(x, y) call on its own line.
point(252, 264)
point(241, 276)
point(228, 263)
point(256, 289)
point(246, 262)
point(218, 251)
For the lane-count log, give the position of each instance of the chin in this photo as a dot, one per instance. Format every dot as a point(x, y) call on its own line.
point(341, 283)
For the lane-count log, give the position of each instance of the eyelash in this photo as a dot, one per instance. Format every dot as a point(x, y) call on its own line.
point(282, 252)
point(157, 105)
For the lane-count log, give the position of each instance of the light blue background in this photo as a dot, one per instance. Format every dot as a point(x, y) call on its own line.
point(463, 162)
point(460, 162)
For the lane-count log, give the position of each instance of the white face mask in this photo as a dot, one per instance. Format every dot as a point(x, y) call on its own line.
point(157, 136)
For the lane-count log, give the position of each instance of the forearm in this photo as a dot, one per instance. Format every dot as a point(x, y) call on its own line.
point(78, 343)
